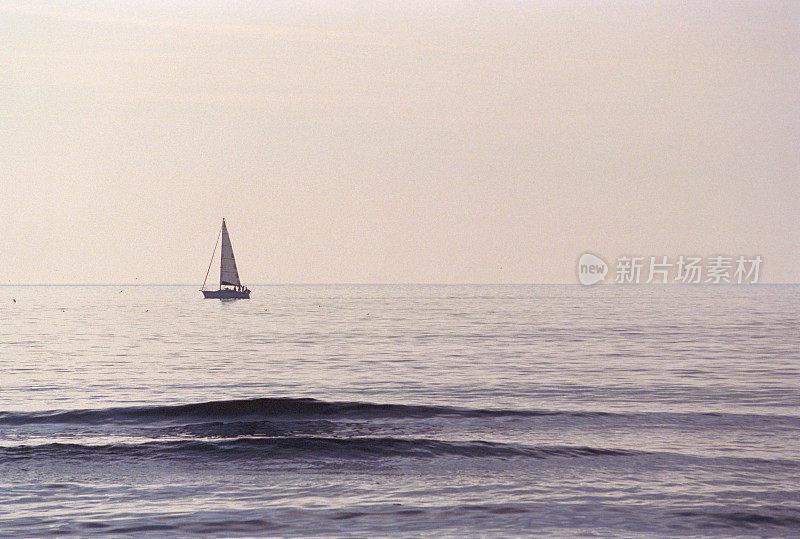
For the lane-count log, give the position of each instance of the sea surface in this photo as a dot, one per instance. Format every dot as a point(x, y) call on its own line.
point(401, 410)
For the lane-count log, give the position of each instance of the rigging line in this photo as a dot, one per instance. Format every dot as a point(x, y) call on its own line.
point(212, 258)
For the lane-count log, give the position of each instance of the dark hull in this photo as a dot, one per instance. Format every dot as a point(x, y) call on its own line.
point(225, 294)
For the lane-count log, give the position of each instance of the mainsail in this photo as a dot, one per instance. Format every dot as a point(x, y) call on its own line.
point(228, 274)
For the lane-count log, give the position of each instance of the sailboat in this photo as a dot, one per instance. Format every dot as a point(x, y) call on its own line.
point(230, 287)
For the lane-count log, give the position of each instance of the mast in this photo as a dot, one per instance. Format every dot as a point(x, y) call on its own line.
point(212, 258)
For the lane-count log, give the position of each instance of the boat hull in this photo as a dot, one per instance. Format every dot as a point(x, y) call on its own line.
point(225, 294)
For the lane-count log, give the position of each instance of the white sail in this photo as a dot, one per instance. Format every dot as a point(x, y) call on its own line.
point(228, 274)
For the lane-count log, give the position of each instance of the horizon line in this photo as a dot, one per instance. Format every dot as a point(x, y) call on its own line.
point(409, 283)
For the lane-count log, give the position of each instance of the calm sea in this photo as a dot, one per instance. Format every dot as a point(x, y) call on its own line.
point(400, 410)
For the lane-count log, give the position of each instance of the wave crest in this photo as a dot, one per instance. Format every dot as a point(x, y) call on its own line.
point(305, 447)
point(259, 408)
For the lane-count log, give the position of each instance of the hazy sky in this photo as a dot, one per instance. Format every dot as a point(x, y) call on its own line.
point(394, 141)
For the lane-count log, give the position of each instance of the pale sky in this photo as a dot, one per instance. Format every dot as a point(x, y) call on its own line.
point(444, 142)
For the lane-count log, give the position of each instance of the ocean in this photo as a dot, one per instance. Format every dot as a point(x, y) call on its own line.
point(418, 410)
